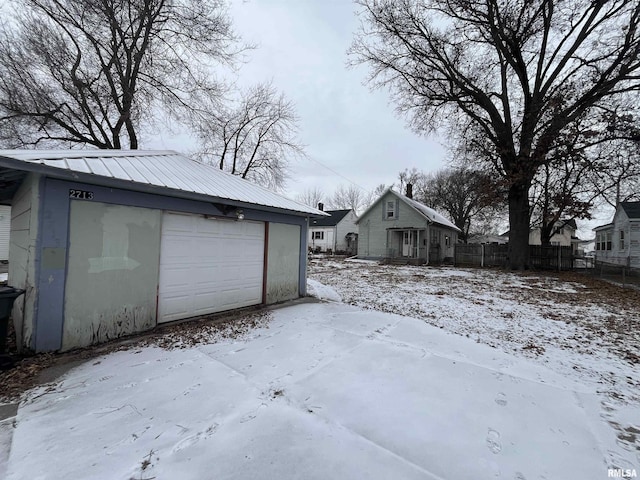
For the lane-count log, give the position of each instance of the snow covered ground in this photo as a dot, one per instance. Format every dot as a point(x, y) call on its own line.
point(578, 327)
point(331, 390)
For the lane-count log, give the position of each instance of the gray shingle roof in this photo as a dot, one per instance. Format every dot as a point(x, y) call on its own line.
point(332, 221)
point(632, 209)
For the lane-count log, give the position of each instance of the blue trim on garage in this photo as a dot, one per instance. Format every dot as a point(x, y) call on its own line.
point(36, 265)
point(52, 256)
point(54, 238)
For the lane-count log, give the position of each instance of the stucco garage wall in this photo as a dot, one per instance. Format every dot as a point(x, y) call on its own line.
point(283, 263)
point(50, 269)
point(22, 251)
point(5, 228)
point(112, 272)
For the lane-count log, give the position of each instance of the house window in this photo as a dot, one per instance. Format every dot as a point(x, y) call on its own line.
point(391, 210)
point(318, 235)
point(435, 237)
point(621, 239)
point(603, 241)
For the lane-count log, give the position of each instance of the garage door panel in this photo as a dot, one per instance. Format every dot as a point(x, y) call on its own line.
point(208, 265)
point(177, 306)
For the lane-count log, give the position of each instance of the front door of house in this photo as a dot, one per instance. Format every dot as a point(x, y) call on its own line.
point(408, 242)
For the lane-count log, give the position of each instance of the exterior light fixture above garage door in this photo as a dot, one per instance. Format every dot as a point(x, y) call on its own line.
point(227, 209)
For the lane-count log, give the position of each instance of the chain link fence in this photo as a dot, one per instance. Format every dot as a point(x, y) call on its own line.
point(493, 255)
point(616, 270)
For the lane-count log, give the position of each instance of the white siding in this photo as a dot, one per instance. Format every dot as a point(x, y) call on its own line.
point(5, 228)
point(562, 238)
point(22, 254)
point(630, 253)
point(634, 243)
point(345, 226)
point(326, 242)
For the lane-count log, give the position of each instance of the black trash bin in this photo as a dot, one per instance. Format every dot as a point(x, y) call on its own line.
point(7, 297)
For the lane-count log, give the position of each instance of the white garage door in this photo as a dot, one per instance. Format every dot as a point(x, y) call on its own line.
point(208, 265)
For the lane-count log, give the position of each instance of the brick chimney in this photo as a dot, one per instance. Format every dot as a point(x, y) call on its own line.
point(321, 207)
point(409, 191)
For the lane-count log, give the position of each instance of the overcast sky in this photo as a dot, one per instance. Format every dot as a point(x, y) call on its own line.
point(346, 127)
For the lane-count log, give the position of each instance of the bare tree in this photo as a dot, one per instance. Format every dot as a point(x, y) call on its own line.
point(616, 176)
point(254, 138)
point(619, 179)
point(414, 177)
point(559, 193)
point(589, 164)
point(519, 73)
point(348, 198)
point(91, 72)
point(373, 195)
point(311, 196)
point(469, 197)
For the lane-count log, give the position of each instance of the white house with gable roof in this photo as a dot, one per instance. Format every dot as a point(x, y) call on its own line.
point(396, 226)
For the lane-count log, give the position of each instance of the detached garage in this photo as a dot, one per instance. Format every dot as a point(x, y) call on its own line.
point(109, 243)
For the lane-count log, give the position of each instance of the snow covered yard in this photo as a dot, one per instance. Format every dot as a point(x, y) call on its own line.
point(331, 390)
point(578, 327)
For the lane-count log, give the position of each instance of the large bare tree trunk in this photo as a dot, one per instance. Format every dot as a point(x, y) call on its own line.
point(519, 226)
point(520, 84)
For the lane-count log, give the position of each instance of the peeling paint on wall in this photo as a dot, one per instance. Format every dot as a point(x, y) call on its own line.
point(22, 252)
point(112, 272)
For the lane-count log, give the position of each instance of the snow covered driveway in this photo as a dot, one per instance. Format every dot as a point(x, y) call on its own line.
point(323, 391)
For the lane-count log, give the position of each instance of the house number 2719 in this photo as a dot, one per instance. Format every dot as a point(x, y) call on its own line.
point(82, 194)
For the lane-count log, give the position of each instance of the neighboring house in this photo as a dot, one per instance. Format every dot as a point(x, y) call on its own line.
point(396, 226)
point(619, 241)
point(5, 227)
point(108, 243)
point(564, 235)
point(337, 233)
point(489, 239)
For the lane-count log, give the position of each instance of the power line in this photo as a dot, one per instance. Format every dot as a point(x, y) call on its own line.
point(337, 173)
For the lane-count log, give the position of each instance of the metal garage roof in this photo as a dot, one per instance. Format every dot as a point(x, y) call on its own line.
point(139, 170)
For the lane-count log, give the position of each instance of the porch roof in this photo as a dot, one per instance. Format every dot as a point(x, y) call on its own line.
point(406, 228)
